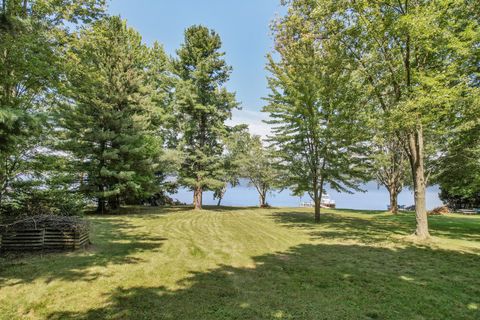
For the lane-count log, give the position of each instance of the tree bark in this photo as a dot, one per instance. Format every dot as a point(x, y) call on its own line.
point(101, 208)
point(197, 198)
point(317, 207)
point(392, 190)
point(317, 195)
point(114, 203)
point(416, 157)
point(263, 199)
point(316, 201)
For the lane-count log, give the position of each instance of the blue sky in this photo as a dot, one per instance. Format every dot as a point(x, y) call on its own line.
point(242, 25)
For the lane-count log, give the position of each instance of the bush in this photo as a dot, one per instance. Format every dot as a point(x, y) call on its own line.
point(34, 202)
point(460, 200)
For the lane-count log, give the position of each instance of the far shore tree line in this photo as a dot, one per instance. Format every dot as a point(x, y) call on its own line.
point(359, 91)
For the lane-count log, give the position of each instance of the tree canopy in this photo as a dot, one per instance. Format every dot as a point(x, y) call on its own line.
point(33, 34)
point(315, 110)
point(415, 62)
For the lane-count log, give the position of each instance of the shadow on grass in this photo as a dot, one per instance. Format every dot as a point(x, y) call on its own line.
point(341, 227)
point(115, 242)
point(377, 226)
point(313, 282)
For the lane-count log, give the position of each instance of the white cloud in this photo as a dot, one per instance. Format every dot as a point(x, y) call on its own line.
point(254, 120)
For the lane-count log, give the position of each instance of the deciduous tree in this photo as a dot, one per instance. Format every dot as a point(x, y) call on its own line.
point(257, 163)
point(389, 166)
point(314, 108)
point(416, 58)
point(33, 34)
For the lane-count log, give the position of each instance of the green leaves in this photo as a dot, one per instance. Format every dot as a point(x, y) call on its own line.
point(201, 106)
point(414, 64)
point(314, 107)
point(33, 35)
point(247, 157)
point(110, 113)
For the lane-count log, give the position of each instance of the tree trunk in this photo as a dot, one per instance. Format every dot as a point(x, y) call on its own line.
point(317, 201)
point(416, 156)
point(221, 194)
point(317, 209)
point(114, 203)
point(392, 190)
point(318, 191)
point(101, 208)
point(197, 198)
point(263, 199)
point(101, 204)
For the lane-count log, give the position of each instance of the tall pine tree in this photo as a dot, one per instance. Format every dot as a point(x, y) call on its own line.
point(108, 120)
point(202, 105)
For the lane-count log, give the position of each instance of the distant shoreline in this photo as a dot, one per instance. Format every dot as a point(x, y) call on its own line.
point(374, 199)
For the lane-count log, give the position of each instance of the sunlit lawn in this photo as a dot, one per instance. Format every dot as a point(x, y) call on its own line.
point(248, 263)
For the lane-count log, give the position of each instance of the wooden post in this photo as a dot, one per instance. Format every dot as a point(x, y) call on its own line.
point(76, 240)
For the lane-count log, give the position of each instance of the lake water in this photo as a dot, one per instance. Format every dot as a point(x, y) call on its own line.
point(373, 199)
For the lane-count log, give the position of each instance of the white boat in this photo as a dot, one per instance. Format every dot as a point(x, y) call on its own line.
point(325, 203)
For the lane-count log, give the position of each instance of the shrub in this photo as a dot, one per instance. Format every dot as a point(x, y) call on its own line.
point(37, 201)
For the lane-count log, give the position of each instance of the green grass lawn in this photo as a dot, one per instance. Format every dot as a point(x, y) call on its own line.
point(248, 263)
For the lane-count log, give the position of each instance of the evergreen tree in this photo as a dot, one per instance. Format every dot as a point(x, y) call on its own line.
point(108, 122)
point(202, 105)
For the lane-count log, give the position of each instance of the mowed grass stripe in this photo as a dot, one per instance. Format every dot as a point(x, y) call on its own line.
point(250, 263)
point(223, 236)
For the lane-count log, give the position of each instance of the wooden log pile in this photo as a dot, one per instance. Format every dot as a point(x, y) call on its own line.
point(438, 211)
point(44, 233)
